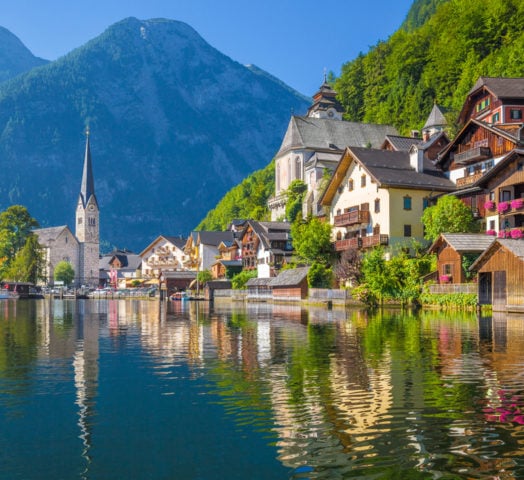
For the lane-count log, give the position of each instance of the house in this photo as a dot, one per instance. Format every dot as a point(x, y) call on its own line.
point(213, 285)
point(313, 145)
point(377, 197)
point(452, 248)
point(290, 285)
point(259, 289)
point(164, 254)
point(266, 246)
point(201, 248)
point(120, 268)
point(500, 271)
point(82, 249)
point(229, 262)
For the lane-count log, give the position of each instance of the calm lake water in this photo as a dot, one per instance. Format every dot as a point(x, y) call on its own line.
point(122, 389)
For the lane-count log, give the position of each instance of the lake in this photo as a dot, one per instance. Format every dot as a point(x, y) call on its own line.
point(135, 389)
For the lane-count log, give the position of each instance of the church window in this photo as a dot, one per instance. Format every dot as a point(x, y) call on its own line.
point(79, 220)
point(277, 178)
point(288, 171)
point(66, 239)
point(92, 222)
point(298, 169)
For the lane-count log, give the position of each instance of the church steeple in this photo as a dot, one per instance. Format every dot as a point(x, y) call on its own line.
point(87, 188)
point(325, 103)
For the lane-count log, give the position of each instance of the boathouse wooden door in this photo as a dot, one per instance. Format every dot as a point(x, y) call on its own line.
point(499, 290)
point(485, 288)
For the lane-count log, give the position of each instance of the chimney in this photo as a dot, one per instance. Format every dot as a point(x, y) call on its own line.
point(425, 135)
point(416, 158)
point(415, 134)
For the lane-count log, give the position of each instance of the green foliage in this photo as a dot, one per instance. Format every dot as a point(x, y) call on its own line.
point(295, 195)
point(395, 280)
point(319, 276)
point(312, 240)
point(204, 276)
point(64, 272)
point(467, 260)
point(238, 282)
point(450, 300)
point(449, 215)
point(439, 53)
point(247, 200)
point(15, 227)
point(29, 263)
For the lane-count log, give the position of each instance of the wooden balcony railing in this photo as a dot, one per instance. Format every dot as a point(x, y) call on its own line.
point(462, 182)
point(361, 242)
point(352, 218)
point(472, 155)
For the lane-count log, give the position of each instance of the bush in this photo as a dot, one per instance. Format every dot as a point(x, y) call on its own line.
point(450, 300)
point(238, 282)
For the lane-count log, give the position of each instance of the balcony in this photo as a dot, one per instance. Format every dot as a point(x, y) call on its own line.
point(464, 181)
point(361, 242)
point(352, 218)
point(472, 155)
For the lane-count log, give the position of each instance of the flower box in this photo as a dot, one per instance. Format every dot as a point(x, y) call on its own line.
point(503, 207)
point(445, 279)
point(491, 232)
point(489, 205)
point(503, 234)
point(517, 204)
point(516, 233)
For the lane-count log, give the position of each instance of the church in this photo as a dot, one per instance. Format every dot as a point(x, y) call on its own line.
point(81, 249)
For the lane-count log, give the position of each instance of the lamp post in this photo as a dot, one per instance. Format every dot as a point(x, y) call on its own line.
point(160, 284)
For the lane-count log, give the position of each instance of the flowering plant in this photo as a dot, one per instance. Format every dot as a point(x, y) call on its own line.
point(502, 234)
point(445, 278)
point(502, 207)
point(491, 232)
point(489, 205)
point(516, 233)
point(517, 203)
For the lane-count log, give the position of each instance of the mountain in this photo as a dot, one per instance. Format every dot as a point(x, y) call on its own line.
point(437, 56)
point(174, 124)
point(15, 58)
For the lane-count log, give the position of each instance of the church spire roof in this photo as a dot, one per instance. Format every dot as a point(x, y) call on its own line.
point(87, 188)
point(325, 103)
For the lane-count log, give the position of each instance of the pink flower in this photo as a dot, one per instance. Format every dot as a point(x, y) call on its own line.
point(489, 205)
point(517, 203)
point(502, 207)
point(516, 233)
point(491, 232)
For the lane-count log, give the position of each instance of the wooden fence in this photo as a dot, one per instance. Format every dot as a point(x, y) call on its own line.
point(453, 288)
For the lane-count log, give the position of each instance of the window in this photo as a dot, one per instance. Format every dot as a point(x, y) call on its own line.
point(79, 220)
point(377, 205)
point(363, 181)
point(495, 118)
point(447, 268)
point(407, 202)
point(425, 203)
point(515, 114)
point(350, 184)
point(483, 104)
point(277, 178)
point(298, 168)
point(407, 230)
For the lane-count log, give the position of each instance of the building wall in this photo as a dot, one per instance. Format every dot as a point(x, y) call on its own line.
point(163, 255)
point(503, 260)
point(64, 248)
point(449, 256)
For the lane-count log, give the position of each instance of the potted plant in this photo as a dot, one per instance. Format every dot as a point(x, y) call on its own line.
point(491, 232)
point(445, 279)
point(517, 203)
point(516, 233)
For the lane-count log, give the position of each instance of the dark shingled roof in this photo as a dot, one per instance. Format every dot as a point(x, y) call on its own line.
point(328, 134)
point(178, 241)
point(47, 235)
point(501, 87)
point(436, 118)
point(401, 143)
point(394, 169)
point(464, 242)
point(290, 278)
point(215, 238)
point(259, 282)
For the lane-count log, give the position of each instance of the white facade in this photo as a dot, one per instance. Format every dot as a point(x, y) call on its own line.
point(162, 255)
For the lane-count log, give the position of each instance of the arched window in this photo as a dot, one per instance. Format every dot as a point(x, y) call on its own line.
point(298, 168)
point(277, 178)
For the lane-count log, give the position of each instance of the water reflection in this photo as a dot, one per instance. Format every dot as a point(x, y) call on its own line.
point(324, 393)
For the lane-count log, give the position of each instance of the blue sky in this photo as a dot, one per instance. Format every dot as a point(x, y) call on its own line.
point(294, 40)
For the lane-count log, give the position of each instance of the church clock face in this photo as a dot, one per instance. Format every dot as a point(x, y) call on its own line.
point(91, 207)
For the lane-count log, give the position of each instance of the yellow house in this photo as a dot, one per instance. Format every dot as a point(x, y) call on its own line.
point(376, 197)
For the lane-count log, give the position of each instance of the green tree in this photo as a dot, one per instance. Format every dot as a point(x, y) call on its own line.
point(449, 215)
point(29, 263)
point(312, 240)
point(320, 276)
point(15, 226)
point(64, 272)
point(204, 276)
point(238, 282)
point(295, 196)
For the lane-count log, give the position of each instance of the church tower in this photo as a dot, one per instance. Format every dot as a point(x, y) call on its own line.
point(87, 225)
point(325, 103)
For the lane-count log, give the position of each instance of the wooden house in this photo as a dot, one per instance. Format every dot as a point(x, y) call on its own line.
point(212, 286)
point(500, 271)
point(259, 289)
point(451, 249)
point(290, 285)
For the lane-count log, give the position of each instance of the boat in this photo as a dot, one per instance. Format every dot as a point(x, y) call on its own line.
point(179, 296)
point(6, 295)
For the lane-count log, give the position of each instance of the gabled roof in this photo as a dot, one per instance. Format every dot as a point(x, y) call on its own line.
point(177, 241)
point(214, 238)
point(463, 242)
point(388, 169)
point(269, 231)
point(290, 278)
point(327, 134)
point(500, 87)
point(259, 282)
point(50, 234)
point(129, 261)
point(400, 143)
point(500, 166)
point(516, 247)
point(474, 123)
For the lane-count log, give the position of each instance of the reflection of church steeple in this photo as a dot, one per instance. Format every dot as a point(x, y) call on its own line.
point(325, 103)
point(85, 363)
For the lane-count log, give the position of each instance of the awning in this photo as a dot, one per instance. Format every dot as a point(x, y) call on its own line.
point(153, 281)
